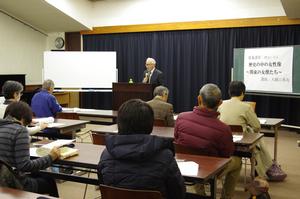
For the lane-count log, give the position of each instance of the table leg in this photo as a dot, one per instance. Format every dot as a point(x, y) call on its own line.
point(213, 187)
point(253, 162)
point(275, 142)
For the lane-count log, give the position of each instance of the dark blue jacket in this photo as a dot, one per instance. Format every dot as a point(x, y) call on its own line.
point(156, 78)
point(141, 162)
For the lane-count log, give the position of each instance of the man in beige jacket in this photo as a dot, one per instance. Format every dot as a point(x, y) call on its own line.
point(236, 112)
point(162, 109)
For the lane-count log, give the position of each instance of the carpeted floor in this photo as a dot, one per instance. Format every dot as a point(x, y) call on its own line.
point(288, 158)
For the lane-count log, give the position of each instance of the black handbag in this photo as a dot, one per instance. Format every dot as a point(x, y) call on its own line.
point(9, 177)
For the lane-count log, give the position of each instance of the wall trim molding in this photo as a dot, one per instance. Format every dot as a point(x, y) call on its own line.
point(195, 25)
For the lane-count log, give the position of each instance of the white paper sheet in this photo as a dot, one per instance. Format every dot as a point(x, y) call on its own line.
point(237, 138)
point(51, 125)
point(47, 120)
point(189, 168)
point(262, 121)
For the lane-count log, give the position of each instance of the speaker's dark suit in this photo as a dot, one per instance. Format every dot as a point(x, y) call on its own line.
point(156, 77)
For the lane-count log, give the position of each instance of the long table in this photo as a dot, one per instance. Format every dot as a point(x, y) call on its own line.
point(67, 126)
point(89, 156)
point(243, 148)
point(272, 123)
point(8, 193)
point(94, 114)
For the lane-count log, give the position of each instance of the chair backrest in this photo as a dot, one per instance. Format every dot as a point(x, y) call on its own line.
point(188, 150)
point(109, 192)
point(158, 122)
point(252, 104)
point(72, 116)
point(98, 139)
point(236, 128)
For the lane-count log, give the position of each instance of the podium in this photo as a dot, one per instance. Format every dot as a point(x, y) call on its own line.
point(122, 92)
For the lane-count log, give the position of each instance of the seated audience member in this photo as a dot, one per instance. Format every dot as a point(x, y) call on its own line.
point(43, 103)
point(12, 91)
point(14, 150)
point(134, 159)
point(162, 109)
point(201, 129)
point(236, 112)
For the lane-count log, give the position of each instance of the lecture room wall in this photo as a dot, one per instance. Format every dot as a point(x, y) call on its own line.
point(21, 49)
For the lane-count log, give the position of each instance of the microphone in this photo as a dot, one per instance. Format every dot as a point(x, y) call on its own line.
point(147, 74)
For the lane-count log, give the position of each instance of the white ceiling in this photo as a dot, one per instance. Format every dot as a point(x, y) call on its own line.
point(41, 15)
point(47, 18)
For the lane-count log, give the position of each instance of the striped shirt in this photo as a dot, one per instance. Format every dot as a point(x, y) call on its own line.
point(14, 150)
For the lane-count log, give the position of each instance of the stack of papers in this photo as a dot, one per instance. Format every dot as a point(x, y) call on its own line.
point(175, 116)
point(47, 120)
point(75, 109)
point(237, 138)
point(262, 121)
point(64, 151)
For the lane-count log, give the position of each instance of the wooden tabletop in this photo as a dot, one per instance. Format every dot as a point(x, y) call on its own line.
point(69, 123)
point(208, 168)
point(272, 121)
point(89, 156)
point(8, 193)
point(249, 139)
point(157, 130)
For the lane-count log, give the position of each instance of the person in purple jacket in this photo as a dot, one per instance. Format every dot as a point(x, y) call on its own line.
point(201, 129)
point(43, 103)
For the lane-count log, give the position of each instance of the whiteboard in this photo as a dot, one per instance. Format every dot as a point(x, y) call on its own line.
point(80, 69)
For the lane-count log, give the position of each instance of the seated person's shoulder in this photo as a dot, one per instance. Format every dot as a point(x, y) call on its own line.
point(150, 101)
point(184, 115)
point(169, 105)
point(165, 155)
point(158, 71)
point(246, 106)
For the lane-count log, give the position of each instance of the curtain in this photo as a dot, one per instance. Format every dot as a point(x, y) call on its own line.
point(191, 58)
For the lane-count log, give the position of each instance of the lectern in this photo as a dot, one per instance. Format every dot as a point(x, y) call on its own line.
point(126, 91)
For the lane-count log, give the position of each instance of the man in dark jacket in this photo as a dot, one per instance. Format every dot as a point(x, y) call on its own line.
point(201, 129)
point(152, 75)
point(136, 160)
